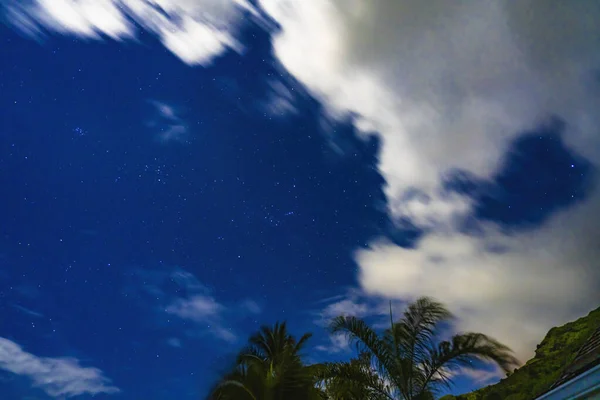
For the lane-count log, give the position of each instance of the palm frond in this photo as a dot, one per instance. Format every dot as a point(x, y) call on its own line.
point(365, 339)
point(236, 384)
point(462, 350)
point(302, 341)
point(408, 358)
point(270, 367)
point(354, 380)
point(416, 330)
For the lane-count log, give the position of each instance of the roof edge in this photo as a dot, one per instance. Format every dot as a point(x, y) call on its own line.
point(576, 387)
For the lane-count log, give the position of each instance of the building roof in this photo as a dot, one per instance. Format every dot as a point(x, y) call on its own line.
point(587, 357)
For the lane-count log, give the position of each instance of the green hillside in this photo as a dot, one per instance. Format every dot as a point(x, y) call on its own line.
point(558, 348)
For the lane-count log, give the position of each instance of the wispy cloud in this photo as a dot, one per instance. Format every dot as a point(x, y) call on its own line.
point(165, 110)
point(281, 101)
point(481, 376)
point(58, 377)
point(356, 303)
point(28, 311)
point(205, 313)
point(200, 308)
point(171, 127)
point(251, 306)
point(179, 294)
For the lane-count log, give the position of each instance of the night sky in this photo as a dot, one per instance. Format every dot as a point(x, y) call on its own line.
point(156, 211)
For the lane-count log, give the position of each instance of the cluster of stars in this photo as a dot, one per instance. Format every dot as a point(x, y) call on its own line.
point(273, 220)
point(159, 171)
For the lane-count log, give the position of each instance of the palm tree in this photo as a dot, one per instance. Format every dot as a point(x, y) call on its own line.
point(407, 361)
point(270, 367)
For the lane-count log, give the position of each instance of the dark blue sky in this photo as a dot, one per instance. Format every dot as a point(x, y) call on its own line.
point(106, 221)
point(255, 207)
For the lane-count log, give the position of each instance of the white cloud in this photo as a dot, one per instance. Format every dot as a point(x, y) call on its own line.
point(431, 211)
point(197, 308)
point(58, 377)
point(174, 342)
point(195, 31)
point(543, 278)
point(447, 85)
point(87, 18)
point(196, 42)
point(338, 343)
point(350, 306)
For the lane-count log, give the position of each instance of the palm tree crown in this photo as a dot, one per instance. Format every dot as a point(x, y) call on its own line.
point(270, 367)
point(407, 361)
